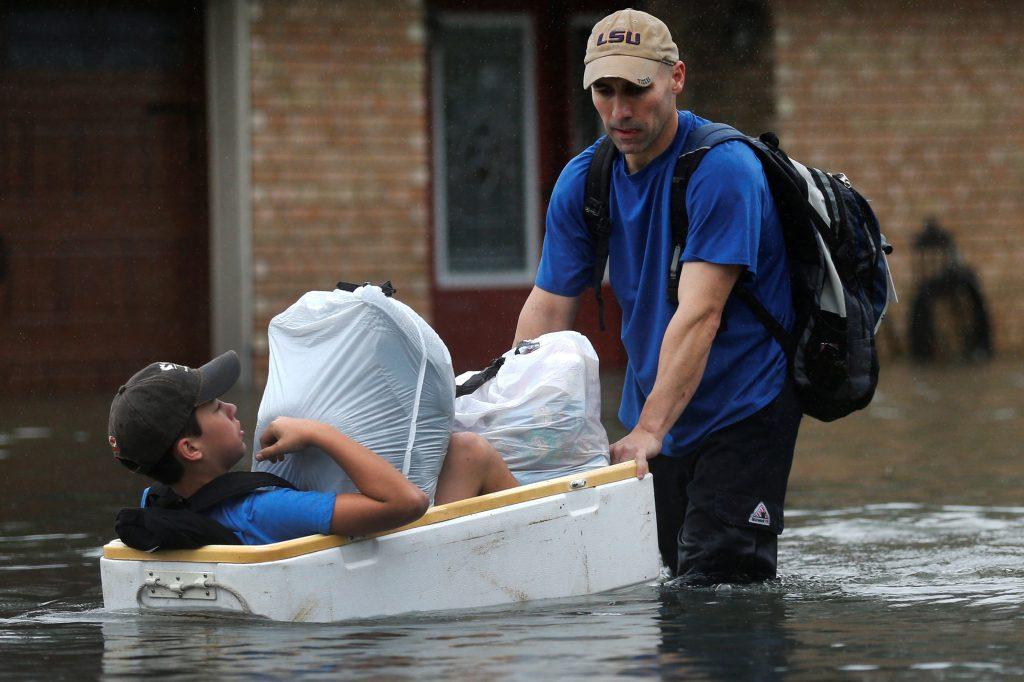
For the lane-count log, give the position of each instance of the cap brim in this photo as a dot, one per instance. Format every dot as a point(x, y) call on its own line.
point(218, 376)
point(636, 70)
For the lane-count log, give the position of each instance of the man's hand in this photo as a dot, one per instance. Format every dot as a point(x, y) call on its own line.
point(284, 435)
point(639, 445)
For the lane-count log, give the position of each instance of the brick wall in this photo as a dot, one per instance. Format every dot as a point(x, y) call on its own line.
point(922, 105)
point(339, 152)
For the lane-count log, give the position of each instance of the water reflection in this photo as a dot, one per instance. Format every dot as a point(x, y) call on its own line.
point(473, 645)
point(780, 631)
point(723, 634)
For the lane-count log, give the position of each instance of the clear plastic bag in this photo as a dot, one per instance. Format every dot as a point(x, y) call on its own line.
point(542, 411)
point(372, 368)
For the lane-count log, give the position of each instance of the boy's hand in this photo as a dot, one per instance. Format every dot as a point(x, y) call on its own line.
point(284, 435)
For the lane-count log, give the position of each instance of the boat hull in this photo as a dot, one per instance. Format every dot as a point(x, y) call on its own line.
point(572, 543)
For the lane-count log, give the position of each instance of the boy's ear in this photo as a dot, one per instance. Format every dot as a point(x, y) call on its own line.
point(187, 450)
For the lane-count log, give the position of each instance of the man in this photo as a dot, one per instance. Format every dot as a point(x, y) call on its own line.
point(169, 423)
point(706, 395)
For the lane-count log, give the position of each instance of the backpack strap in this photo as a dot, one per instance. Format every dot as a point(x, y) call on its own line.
point(596, 214)
point(160, 495)
point(152, 528)
point(168, 521)
point(709, 135)
point(233, 484)
point(387, 287)
point(471, 384)
point(778, 332)
point(698, 143)
point(224, 487)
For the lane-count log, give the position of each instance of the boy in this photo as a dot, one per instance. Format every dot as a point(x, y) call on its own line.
point(169, 423)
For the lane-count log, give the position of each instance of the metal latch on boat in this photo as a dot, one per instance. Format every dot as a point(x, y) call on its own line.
point(179, 585)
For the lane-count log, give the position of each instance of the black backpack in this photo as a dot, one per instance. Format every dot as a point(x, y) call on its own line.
point(169, 521)
point(839, 275)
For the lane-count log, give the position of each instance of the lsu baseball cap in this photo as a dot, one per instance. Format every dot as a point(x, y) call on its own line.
point(628, 44)
point(150, 411)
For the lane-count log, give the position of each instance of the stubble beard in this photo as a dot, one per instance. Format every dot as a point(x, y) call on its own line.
point(640, 144)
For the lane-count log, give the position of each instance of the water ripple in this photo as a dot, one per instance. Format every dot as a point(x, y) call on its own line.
point(908, 554)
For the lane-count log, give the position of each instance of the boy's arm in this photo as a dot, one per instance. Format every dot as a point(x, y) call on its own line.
point(387, 498)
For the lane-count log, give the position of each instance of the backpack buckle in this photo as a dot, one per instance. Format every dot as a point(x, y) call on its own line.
point(673, 274)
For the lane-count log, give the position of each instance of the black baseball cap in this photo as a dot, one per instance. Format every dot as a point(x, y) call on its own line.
point(150, 411)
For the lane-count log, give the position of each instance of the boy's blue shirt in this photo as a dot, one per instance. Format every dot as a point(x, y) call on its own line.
point(273, 514)
point(733, 221)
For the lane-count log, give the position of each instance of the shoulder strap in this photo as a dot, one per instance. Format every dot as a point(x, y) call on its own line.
point(387, 287)
point(154, 528)
point(778, 332)
point(471, 384)
point(232, 484)
point(160, 495)
point(698, 143)
point(595, 213)
point(709, 135)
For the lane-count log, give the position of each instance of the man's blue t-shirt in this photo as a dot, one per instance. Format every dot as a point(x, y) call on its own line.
point(733, 221)
point(273, 514)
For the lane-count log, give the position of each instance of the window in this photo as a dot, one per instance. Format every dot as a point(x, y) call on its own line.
point(485, 197)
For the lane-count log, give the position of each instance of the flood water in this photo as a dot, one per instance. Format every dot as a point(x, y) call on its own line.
point(903, 557)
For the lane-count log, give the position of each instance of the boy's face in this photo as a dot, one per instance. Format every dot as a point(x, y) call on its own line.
point(222, 442)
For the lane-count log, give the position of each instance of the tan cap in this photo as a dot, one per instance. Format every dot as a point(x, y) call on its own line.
point(628, 44)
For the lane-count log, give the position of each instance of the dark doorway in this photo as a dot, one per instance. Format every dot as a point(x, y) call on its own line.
point(508, 111)
point(103, 192)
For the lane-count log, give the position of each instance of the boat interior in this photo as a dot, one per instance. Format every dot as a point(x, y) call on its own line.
point(251, 554)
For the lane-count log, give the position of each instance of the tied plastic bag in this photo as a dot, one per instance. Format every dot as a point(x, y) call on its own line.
point(542, 410)
point(372, 368)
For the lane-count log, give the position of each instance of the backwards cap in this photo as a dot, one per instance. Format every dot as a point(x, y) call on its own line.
point(150, 411)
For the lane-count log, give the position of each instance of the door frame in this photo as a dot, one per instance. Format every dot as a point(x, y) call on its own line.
point(443, 278)
point(230, 180)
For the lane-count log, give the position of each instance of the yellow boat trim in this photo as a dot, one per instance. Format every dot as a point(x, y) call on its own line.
point(252, 554)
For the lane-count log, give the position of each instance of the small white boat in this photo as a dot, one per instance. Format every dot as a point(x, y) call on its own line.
point(566, 537)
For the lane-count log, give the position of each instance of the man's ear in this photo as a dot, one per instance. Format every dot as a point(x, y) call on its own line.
point(678, 77)
point(187, 449)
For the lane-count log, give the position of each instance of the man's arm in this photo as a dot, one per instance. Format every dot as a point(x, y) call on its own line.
point(703, 290)
point(388, 499)
point(545, 312)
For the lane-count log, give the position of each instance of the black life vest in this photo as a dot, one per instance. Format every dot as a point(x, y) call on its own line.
point(169, 521)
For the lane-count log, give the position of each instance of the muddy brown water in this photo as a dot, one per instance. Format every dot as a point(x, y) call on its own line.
point(903, 557)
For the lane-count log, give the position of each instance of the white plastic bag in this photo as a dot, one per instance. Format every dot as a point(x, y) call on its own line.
point(542, 411)
point(372, 368)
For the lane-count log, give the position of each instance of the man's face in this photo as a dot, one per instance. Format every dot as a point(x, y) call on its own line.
point(634, 117)
point(222, 442)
